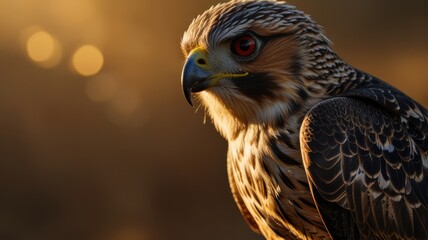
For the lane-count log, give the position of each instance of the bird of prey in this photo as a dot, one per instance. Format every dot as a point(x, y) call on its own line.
point(317, 148)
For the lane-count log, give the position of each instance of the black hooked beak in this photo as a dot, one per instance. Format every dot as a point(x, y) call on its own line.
point(196, 74)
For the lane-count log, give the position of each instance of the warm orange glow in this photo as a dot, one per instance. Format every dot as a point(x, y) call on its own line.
point(126, 103)
point(40, 46)
point(127, 109)
point(43, 49)
point(88, 60)
point(102, 88)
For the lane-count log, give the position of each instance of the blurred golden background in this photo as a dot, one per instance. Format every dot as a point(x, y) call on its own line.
point(96, 138)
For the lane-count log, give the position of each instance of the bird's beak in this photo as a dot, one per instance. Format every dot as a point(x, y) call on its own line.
point(197, 74)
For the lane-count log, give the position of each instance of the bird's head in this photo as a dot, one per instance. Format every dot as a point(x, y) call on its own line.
point(253, 61)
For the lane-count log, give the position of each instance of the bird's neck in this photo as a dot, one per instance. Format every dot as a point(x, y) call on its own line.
point(224, 120)
point(277, 115)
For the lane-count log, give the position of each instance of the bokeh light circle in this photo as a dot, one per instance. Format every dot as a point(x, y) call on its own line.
point(40, 46)
point(43, 48)
point(87, 60)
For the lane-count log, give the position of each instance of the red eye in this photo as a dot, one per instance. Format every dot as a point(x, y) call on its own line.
point(244, 46)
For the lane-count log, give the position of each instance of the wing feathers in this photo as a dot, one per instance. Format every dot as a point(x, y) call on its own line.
point(362, 153)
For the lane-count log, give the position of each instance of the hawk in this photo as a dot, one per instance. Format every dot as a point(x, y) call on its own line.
point(317, 148)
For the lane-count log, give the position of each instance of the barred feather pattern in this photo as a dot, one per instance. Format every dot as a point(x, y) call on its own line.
point(317, 148)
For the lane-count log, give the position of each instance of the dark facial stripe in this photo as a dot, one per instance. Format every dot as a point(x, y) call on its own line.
point(257, 86)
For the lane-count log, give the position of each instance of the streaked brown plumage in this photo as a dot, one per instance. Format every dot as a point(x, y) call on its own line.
point(317, 148)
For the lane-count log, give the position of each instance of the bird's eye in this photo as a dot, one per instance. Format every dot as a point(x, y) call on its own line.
point(244, 46)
